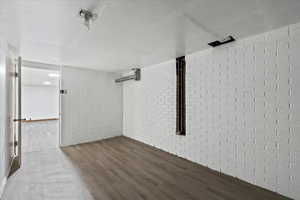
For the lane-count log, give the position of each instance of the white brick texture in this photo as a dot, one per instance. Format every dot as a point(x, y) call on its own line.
point(243, 109)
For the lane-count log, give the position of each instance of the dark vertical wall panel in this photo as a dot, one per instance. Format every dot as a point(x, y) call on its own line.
point(180, 96)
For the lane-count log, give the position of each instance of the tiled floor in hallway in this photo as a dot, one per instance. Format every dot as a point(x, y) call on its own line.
point(46, 173)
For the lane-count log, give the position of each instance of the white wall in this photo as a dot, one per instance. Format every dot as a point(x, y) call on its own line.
point(243, 110)
point(92, 107)
point(3, 116)
point(40, 102)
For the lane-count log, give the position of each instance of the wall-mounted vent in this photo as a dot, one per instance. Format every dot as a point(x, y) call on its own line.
point(221, 42)
point(136, 76)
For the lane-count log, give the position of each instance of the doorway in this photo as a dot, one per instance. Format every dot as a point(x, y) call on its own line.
point(40, 108)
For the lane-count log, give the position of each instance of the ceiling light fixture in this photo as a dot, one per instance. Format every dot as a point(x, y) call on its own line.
point(47, 83)
point(53, 75)
point(88, 17)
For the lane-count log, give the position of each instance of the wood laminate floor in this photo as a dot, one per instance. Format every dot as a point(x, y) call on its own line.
point(120, 169)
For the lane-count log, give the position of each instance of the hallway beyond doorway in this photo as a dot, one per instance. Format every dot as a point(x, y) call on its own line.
point(40, 136)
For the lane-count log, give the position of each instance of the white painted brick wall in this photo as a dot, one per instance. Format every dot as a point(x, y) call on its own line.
point(243, 110)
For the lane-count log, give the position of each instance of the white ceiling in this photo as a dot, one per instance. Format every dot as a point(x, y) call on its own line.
point(37, 77)
point(133, 33)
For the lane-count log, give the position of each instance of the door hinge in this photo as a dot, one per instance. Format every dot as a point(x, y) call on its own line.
point(14, 74)
point(16, 143)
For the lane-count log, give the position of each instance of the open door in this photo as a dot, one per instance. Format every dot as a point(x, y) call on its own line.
point(14, 110)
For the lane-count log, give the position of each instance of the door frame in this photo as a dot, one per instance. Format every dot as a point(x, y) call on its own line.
point(57, 68)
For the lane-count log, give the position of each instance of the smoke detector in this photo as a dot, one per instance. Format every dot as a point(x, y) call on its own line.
point(88, 17)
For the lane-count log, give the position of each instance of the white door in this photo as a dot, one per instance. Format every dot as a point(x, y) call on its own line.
point(14, 112)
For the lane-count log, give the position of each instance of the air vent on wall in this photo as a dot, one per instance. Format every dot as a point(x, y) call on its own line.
point(136, 76)
point(221, 42)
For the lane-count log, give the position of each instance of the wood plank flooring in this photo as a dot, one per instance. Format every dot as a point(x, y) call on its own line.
point(121, 168)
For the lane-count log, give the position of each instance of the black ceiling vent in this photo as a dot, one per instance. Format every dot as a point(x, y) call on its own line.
point(221, 42)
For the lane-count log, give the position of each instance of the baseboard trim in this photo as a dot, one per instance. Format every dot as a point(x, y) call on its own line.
point(89, 141)
point(2, 186)
point(214, 171)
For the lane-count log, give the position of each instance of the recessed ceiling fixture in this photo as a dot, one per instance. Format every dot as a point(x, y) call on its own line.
point(47, 83)
point(53, 75)
point(88, 17)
